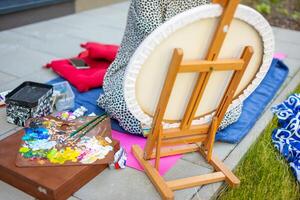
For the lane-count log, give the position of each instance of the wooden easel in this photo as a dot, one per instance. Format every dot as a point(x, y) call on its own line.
point(191, 138)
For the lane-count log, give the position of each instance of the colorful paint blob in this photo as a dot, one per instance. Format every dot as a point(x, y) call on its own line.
point(45, 141)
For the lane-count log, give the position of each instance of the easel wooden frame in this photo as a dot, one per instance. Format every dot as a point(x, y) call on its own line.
point(188, 137)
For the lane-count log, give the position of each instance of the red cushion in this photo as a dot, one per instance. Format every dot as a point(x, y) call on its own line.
point(101, 51)
point(86, 79)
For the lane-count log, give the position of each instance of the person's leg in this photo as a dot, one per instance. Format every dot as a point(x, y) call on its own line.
point(174, 7)
point(143, 17)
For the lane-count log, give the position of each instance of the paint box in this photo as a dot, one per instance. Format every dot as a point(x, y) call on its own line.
point(47, 183)
point(28, 100)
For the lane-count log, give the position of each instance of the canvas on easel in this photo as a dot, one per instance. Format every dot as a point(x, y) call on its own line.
point(187, 135)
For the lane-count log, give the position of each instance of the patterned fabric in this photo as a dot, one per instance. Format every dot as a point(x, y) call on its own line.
point(287, 137)
point(231, 117)
point(143, 17)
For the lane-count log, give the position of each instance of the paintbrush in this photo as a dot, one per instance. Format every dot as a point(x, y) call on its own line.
point(93, 122)
point(89, 129)
point(86, 125)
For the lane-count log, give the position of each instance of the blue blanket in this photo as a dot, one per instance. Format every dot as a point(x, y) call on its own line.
point(252, 108)
point(255, 104)
point(286, 138)
point(88, 100)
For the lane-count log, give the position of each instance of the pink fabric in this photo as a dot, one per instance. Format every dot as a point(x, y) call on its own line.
point(280, 56)
point(126, 141)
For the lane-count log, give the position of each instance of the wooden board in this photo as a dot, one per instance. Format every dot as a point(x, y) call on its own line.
point(103, 128)
point(49, 183)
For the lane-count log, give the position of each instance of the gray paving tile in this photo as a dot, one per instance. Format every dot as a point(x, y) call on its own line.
point(73, 198)
point(5, 135)
point(221, 150)
point(286, 35)
point(106, 35)
point(45, 30)
point(23, 61)
point(293, 65)
point(113, 184)
point(110, 19)
point(8, 192)
point(117, 7)
point(105, 16)
point(42, 75)
point(11, 42)
point(5, 126)
point(196, 159)
point(55, 29)
point(62, 46)
point(61, 37)
point(291, 49)
point(80, 21)
point(121, 184)
point(97, 18)
point(184, 169)
point(207, 191)
point(4, 77)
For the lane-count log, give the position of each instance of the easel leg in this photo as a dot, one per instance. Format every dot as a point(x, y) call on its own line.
point(211, 138)
point(230, 178)
point(158, 150)
point(219, 166)
point(154, 176)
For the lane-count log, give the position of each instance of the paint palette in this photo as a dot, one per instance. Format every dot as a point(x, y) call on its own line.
point(49, 141)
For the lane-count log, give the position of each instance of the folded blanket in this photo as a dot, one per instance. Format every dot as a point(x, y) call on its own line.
point(97, 56)
point(286, 138)
point(255, 104)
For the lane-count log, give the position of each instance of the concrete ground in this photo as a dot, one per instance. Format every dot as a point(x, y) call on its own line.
point(24, 50)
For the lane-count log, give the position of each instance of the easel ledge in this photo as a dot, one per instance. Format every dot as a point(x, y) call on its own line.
point(190, 138)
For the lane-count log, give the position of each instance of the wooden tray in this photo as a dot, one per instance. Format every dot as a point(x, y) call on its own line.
point(50, 183)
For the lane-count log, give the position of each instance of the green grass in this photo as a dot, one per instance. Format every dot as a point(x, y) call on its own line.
point(264, 174)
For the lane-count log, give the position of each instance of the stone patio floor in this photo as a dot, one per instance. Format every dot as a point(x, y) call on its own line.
point(25, 49)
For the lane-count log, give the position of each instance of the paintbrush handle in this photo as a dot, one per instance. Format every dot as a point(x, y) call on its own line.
point(85, 125)
point(89, 129)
